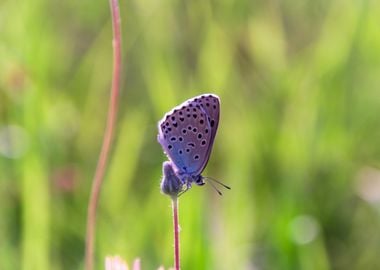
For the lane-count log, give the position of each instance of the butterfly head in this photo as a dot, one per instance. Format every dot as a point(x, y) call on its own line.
point(198, 180)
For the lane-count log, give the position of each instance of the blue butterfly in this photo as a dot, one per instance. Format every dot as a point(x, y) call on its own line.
point(187, 135)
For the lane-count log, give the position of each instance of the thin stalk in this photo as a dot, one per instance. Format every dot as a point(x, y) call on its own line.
point(176, 232)
point(108, 135)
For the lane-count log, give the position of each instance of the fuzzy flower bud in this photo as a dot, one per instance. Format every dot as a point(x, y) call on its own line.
point(170, 185)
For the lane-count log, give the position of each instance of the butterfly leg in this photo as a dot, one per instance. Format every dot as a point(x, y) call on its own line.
point(188, 187)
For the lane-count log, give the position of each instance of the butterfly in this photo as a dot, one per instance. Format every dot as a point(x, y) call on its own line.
point(187, 135)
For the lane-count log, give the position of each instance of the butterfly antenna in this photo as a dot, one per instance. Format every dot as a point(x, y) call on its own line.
point(216, 189)
point(216, 181)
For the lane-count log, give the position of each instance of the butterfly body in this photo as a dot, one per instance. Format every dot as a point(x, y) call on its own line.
point(187, 134)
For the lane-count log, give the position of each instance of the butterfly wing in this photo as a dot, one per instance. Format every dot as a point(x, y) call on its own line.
point(185, 135)
point(211, 105)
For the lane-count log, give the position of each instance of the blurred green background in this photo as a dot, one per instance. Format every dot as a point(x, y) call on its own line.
point(298, 138)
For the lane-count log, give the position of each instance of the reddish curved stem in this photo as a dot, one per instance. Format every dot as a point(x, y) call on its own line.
point(176, 233)
point(107, 140)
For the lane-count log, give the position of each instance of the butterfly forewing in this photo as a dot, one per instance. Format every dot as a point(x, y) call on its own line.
point(211, 106)
point(185, 135)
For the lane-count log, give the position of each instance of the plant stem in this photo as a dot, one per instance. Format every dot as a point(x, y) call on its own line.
point(108, 135)
point(176, 232)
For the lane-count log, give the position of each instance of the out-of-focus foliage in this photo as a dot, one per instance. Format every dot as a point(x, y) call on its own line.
point(299, 137)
